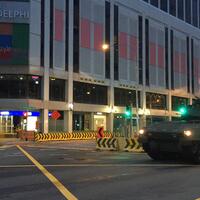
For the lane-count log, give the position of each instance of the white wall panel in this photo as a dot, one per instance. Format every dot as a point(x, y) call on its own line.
point(35, 18)
point(34, 51)
point(59, 56)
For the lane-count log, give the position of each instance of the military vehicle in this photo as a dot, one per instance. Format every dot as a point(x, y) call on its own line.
point(175, 139)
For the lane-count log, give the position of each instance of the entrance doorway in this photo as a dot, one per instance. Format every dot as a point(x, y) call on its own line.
point(6, 124)
point(99, 121)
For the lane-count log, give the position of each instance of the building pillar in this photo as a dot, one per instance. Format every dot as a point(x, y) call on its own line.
point(110, 121)
point(45, 121)
point(68, 116)
point(143, 105)
point(69, 113)
point(45, 88)
point(110, 116)
point(92, 121)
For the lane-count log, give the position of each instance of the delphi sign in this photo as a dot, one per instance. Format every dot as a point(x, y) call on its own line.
point(14, 12)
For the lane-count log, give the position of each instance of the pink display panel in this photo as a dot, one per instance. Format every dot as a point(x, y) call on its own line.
point(59, 25)
point(152, 54)
point(133, 48)
point(98, 36)
point(161, 56)
point(85, 33)
point(123, 45)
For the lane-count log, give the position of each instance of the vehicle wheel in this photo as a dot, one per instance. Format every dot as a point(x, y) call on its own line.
point(196, 154)
point(155, 155)
point(170, 156)
point(153, 151)
point(192, 154)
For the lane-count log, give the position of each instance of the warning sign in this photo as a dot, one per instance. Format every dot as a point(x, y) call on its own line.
point(55, 115)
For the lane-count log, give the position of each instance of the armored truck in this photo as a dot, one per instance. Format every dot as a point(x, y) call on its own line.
point(175, 139)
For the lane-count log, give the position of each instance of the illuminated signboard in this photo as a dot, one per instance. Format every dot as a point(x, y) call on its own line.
point(19, 113)
point(14, 12)
point(14, 44)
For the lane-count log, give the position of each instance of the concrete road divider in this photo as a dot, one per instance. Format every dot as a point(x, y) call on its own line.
point(132, 145)
point(119, 144)
point(106, 144)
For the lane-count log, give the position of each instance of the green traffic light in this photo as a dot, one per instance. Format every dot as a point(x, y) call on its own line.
point(128, 113)
point(183, 110)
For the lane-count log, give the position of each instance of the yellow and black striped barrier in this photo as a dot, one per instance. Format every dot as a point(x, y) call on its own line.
point(132, 145)
point(61, 136)
point(119, 144)
point(106, 144)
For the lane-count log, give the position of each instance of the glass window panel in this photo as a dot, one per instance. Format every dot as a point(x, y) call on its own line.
point(57, 90)
point(188, 11)
point(194, 13)
point(154, 2)
point(156, 101)
point(178, 101)
point(90, 93)
point(172, 7)
point(124, 97)
point(164, 5)
point(180, 8)
point(20, 86)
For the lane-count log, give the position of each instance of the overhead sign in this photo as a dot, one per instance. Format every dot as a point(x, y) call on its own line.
point(19, 113)
point(14, 12)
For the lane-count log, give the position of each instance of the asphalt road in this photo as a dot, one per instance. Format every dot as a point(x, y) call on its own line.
point(93, 175)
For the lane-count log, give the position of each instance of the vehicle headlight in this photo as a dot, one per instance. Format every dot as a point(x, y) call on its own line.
point(188, 133)
point(141, 131)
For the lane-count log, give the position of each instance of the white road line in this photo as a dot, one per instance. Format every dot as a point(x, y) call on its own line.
point(16, 166)
point(121, 165)
point(62, 148)
point(101, 165)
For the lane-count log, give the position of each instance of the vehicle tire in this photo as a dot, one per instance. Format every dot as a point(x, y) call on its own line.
point(153, 151)
point(155, 155)
point(192, 154)
point(196, 154)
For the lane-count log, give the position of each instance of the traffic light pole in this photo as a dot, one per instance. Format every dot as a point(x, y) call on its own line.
point(137, 115)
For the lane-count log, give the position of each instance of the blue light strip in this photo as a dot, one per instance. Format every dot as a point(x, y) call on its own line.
point(18, 113)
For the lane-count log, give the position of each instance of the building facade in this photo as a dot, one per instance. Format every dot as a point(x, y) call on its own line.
point(51, 59)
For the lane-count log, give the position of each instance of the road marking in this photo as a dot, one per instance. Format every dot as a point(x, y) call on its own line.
point(66, 193)
point(62, 148)
point(101, 165)
point(6, 146)
point(16, 166)
point(121, 165)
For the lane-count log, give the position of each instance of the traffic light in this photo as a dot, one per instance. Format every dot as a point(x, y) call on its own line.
point(183, 110)
point(128, 112)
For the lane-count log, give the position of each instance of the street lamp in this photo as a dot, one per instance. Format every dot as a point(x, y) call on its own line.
point(105, 47)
